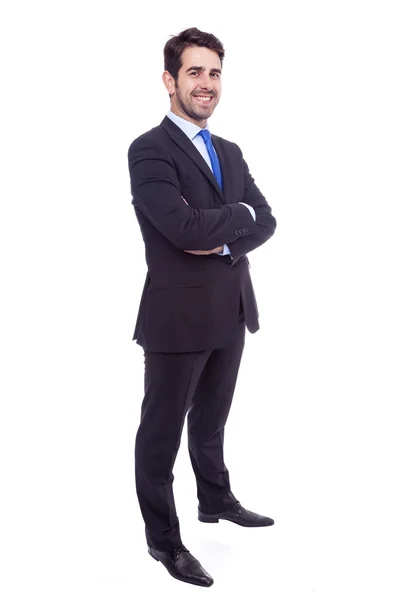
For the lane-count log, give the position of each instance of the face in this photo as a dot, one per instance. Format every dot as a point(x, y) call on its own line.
point(198, 88)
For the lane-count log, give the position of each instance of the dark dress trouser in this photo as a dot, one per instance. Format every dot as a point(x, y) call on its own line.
point(200, 385)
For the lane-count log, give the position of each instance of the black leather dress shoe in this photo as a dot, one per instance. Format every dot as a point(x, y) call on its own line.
point(237, 514)
point(183, 565)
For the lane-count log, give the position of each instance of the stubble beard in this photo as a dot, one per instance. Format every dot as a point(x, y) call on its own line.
point(190, 110)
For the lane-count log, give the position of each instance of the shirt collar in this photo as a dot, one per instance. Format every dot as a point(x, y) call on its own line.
point(190, 129)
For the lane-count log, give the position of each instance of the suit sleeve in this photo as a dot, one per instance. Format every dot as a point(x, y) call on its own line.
point(265, 222)
point(156, 193)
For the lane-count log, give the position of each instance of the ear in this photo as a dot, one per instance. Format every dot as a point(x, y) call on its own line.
point(169, 82)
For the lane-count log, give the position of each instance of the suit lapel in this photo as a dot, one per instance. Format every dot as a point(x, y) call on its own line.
point(182, 140)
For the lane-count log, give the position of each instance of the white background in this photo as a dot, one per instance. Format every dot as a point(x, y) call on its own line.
point(311, 95)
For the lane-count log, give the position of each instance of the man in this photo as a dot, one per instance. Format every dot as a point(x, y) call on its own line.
point(200, 213)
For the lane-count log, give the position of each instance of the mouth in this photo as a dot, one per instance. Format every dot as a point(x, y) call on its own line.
point(203, 100)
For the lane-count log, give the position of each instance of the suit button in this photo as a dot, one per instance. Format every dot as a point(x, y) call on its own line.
point(245, 230)
point(236, 232)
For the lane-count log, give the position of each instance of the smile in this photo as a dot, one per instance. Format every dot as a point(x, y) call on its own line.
point(203, 99)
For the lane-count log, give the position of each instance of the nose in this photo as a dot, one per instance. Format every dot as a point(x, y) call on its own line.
point(206, 83)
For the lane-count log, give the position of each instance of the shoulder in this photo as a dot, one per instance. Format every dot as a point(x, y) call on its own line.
point(154, 140)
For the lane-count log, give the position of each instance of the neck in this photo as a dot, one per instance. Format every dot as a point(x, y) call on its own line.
point(201, 123)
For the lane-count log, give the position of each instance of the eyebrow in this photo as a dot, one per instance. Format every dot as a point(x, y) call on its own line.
point(203, 69)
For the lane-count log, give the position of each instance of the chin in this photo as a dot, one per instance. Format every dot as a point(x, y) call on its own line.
point(207, 111)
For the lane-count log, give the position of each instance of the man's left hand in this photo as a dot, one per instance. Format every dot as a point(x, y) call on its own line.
point(199, 252)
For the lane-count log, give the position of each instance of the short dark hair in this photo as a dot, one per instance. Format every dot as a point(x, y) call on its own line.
point(174, 48)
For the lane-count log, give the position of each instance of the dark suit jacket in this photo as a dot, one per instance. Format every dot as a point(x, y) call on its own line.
point(191, 302)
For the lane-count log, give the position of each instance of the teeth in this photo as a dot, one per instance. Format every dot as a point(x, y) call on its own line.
point(204, 98)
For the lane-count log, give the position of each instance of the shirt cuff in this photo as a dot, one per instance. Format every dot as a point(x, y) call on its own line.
point(224, 251)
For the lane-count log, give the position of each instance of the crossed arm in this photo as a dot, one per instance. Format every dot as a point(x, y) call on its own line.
point(156, 192)
point(219, 249)
point(264, 220)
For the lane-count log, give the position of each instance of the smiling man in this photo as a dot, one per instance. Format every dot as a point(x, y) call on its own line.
point(197, 90)
point(200, 213)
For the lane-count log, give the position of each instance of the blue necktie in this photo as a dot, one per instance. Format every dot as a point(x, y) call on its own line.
point(206, 135)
